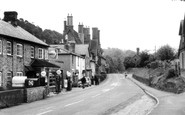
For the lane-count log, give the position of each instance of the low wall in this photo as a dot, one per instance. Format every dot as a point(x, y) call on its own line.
point(34, 94)
point(11, 97)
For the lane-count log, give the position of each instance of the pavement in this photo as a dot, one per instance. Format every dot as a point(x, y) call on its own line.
point(169, 103)
point(111, 96)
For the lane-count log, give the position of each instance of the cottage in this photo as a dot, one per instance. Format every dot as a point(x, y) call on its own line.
point(21, 54)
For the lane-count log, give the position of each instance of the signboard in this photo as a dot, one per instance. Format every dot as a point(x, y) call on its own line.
point(43, 73)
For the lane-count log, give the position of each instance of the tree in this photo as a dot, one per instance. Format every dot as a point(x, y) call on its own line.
point(144, 58)
point(165, 53)
point(129, 62)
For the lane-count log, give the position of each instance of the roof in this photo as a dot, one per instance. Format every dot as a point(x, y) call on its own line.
point(82, 49)
point(181, 33)
point(63, 51)
point(72, 35)
point(19, 33)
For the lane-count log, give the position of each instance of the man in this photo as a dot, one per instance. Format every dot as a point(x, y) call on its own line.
point(83, 82)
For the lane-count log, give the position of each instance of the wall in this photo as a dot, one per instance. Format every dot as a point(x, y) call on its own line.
point(182, 59)
point(34, 94)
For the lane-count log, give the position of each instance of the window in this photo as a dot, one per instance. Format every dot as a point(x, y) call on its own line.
point(46, 54)
point(1, 77)
point(9, 48)
point(40, 53)
point(19, 50)
point(19, 74)
point(1, 47)
point(32, 52)
point(72, 60)
point(9, 79)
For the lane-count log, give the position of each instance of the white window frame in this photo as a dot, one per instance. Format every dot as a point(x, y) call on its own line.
point(46, 54)
point(9, 48)
point(32, 51)
point(42, 53)
point(1, 79)
point(1, 47)
point(19, 51)
point(19, 74)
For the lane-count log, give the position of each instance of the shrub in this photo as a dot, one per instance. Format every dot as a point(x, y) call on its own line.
point(171, 73)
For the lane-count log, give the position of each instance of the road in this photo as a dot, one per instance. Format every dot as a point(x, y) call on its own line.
point(96, 100)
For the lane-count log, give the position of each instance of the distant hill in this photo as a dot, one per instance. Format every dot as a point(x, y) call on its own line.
point(50, 36)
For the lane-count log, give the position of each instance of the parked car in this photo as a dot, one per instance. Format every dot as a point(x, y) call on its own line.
point(87, 84)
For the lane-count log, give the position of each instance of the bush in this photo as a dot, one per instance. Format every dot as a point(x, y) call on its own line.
point(171, 73)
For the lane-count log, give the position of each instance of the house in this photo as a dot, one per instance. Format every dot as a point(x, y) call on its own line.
point(21, 54)
point(136, 58)
point(72, 62)
point(181, 51)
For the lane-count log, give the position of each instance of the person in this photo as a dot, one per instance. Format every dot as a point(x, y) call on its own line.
point(125, 74)
point(83, 82)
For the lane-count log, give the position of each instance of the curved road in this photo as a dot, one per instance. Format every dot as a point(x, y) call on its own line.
point(114, 93)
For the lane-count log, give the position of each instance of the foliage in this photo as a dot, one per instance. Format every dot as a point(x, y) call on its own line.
point(171, 73)
point(51, 37)
point(129, 62)
point(144, 59)
point(115, 58)
point(166, 53)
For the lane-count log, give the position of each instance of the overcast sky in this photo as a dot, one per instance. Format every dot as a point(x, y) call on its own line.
point(123, 24)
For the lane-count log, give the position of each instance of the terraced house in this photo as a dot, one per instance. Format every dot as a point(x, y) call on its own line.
point(21, 54)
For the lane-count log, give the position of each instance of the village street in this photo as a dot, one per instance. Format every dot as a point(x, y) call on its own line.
point(112, 95)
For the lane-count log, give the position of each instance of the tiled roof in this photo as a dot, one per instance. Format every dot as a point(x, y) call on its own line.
point(72, 34)
point(19, 33)
point(82, 49)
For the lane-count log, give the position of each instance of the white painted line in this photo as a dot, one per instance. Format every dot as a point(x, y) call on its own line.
point(114, 84)
point(73, 103)
point(96, 95)
point(105, 90)
point(44, 112)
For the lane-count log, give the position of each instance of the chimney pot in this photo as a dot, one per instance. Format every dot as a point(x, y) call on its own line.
point(11, 16)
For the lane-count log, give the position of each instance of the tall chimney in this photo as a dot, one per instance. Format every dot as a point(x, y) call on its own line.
point(65, 25)
point(11, 17)
point(137, 51)
point(70, 20)
point(80, 28)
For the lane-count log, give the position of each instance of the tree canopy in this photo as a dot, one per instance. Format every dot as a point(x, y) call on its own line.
point(50, 36)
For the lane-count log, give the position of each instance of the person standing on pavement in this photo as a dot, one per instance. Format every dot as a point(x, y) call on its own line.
point(83, 82)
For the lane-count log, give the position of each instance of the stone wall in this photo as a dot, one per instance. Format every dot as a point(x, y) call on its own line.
point(34, 94)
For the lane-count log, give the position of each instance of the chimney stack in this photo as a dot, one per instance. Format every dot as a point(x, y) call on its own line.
point(137, 51)
point(11, 17)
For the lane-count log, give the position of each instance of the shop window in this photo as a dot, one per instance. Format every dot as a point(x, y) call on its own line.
point(32, 52)
point(40, 53)
point(19, 50)
point(9, 48)
point(19, 74)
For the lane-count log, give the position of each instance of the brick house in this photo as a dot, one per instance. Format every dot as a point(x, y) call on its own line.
point(21, 54)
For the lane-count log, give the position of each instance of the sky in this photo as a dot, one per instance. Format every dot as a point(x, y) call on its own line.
point(123, 24)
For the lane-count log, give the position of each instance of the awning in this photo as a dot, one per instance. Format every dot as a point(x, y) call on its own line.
point(43, 63)
point(28, 68)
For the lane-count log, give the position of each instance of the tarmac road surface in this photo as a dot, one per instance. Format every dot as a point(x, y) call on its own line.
point(102, 99)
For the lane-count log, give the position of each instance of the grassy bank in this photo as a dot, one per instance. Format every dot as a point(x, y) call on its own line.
point(158, 78)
